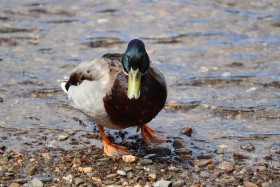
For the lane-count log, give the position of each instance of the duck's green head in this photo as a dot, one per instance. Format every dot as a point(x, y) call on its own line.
point(135, 63)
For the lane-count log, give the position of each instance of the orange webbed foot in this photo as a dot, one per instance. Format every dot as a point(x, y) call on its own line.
point(109, 148)
point(148, 135)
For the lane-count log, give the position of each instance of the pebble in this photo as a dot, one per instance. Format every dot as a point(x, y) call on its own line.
point(68, 178)
point(113, 175)
point(14, 168)
point(145, 162)
point(162, 184)
point(187, 131)
point(178, 143)
point(69, 131)
point(129, 158)
point(266, 184)
point(247, 146)
point(196, 168)
point(183, 151)
point(4, 160)
point(152, 176)
point(178, 183)
point(31, 170)
point(14, 185)
point(225, 165)
point(37, 183)
point(45, 178)
point(120, 172)
point(87, 170)
point(127, 168)
point(250, 184)
point(220, 151)
point(261, 168)
point(173, 168)
point(201, 163)
point(63, 137)
point(46, 156)
point(78, 181)
point(129, 175)
point(159, 151)
point(204, 175)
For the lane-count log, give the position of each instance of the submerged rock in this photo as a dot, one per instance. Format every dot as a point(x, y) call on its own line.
point(247, 146)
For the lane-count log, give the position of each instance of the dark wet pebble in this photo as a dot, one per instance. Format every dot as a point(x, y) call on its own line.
point(183, 151)
point(107, 159)
point(178, 143)
point(1, 100)
point(145, 162)
point(159, 151)
point(247, 146)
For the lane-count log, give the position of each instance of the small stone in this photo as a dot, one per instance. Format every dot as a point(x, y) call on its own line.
point(87, 170)
point(129, 175)
point(32, 159)
point(129, 158)
point(137, 185)
point(183, 151)
point(225, 165)
point(145, 162)
point(45, 178)
point(187, 131)
point(14, 168)
point(127, 168)
point(46, 156)
point(162, 151)
point(178, 143)
point(204, 175)
point(113, 175)
point(220, 151)
point(173, 168)
point(162, 184)
point(68, 178)
point(196, 168)
point(69, 131)
point(78, 181)
point(120, 172)
point(261, 168)
point(2, 168)
point(172, 105)
point(195, 185)
point(31, 170)
point(247, 146)
point(152, 176)
point(250, 184)
point(63, 137)
point(37, 183)
point(178, 183)
point(4, 160)
point(201, 163)
point(266, 184)
point(14, 185)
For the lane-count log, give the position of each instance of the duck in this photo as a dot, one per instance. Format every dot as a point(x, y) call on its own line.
point(117, 91)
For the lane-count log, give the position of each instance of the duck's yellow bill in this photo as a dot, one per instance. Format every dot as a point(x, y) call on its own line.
point(134, 83)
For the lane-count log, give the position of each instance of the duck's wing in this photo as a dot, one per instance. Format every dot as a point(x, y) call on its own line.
point(94, 70)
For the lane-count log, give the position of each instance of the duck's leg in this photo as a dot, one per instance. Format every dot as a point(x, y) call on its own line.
point(109, 148)
point(148, 135)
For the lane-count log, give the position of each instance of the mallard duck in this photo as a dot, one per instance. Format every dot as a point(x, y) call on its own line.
point(118, 91)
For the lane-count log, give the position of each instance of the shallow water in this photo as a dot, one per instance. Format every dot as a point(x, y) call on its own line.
point(220, 60)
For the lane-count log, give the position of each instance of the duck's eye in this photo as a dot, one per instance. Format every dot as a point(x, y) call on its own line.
point(128, 57)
